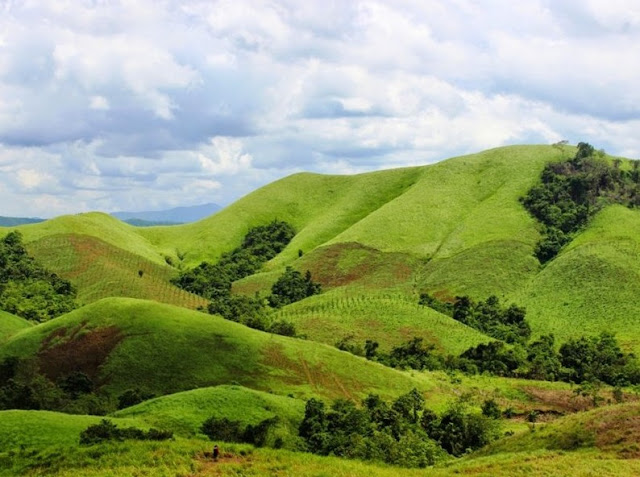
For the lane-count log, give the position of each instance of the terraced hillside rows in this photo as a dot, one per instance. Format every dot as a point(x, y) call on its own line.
point(100, 270)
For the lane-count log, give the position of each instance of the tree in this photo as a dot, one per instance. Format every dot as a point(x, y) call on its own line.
point(292, 287)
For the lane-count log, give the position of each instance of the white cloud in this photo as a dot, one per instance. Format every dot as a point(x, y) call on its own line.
point(151, 104)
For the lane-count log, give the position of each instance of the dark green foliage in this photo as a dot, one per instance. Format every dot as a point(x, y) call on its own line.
point(459, 431)
point(599, 359)
point(213, 281)
point(260, 245)
point(401, 433)
point(26, 288)
point(223, 429)
point(281, 327)
point(292, 287)
point(75, 384)
point(507, 324)
point(572, 191)
point(491, 409)
point(544, 362)
point(347, 344)
point(108, 431)
point(432, 302)
point(131, 397)
point(413, 354)
point(496, 358)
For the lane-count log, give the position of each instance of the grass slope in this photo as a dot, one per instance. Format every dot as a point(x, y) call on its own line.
point(99, 270)
point(389, 319)
point(41, 429)
point(593, 285)
point(11, 324)
point(94, 224)
point(318, 206)
point(185, 412)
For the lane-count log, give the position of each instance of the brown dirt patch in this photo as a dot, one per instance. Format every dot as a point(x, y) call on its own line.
point(618, 428)
point(557, 400)
point(85, 352)
point(207, 466)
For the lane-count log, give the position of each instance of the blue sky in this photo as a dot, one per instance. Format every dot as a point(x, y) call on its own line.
point(141, 104)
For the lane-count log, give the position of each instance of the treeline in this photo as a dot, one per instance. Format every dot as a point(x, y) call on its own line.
point(402, 432)
point(597, 359)
point(572, 191)
point(580, 360)
point(26, 288)
point(107, 431)
point(214, 281)
point(22, 386)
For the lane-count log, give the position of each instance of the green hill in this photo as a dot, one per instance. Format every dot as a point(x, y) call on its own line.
point(390, 319)
point(125, 343)
point(185, 412)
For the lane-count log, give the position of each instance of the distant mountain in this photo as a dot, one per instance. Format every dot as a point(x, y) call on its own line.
point(13, 221)
point(178, 215)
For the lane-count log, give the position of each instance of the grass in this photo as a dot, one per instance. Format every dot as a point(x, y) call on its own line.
point(189, 457)
point(42, 429)
point(11, 324)
point(386, 317)
point(99, 270)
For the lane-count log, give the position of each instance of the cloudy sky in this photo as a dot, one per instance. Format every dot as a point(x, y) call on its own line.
point(150, 104)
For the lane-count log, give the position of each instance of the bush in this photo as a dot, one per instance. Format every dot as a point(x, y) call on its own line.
point(108, 431)
point(223, 429)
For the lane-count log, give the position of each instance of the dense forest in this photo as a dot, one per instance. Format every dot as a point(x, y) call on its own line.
point(26, 288)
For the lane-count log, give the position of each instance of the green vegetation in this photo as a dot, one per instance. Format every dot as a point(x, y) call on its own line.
point(572, 191)
point(456, 231)
point(26, 288)
point(106, 430)
point(402, 433)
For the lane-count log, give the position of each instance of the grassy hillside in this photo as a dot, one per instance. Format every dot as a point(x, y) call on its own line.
point(390, 319)
point(41, 429)
point(594, 285)
point(318, 206)
point(185, 412)
point(11, 324)
point(94, 224)
point(99, 270)
point(126, 343)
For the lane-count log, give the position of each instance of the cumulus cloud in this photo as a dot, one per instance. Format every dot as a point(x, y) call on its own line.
point(151, 104)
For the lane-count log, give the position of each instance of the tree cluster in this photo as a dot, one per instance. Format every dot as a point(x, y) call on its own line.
point(108, 431)
point(488, 316)
point(26, 288)
point(22, 386)
point(581, 360)
point(262, 434)
point(260, 244)
point(213, 281)
point(401, 433)
point(572, 191)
